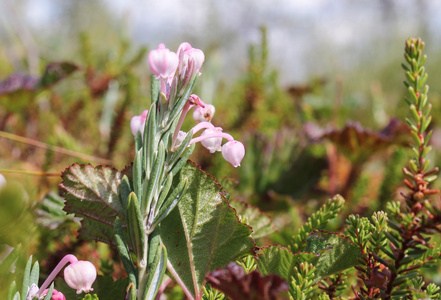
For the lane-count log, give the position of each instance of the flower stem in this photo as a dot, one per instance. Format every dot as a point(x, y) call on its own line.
point(67, 259)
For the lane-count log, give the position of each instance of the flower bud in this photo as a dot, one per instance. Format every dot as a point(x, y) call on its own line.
point(163, 62)
point(233, 152)
point(32, 292)
point(137, 123)
point(204, 114)
point(56, 295)
point(80, 276)
point(189, 56)
point(212, 144)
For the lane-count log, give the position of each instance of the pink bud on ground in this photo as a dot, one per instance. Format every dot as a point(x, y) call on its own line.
point(80, 276)
point(204, 114)
point(212, 144)
point(56, 295)
point(163, 62)
point(233, 152)
point(137, 123)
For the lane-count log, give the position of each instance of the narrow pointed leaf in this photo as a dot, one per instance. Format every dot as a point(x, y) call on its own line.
point(202, 233)
point(156, 273)
point(123, 250)
point(138, 174)
point(35, 274)
point(49, 292)
point(170, 203)
point(26, 278)
point(125, 190)
point(134, 225)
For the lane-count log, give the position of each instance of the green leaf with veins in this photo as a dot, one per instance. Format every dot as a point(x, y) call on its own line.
point(203, 232)
point(93, 194)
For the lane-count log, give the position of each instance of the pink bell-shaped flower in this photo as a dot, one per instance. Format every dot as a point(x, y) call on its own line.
point(190, 59)
point(80, 276)
point(137, 123)
point(204, 114)
point(233, 152)
point(56, 295)
point(163, 62)
point(212, 144)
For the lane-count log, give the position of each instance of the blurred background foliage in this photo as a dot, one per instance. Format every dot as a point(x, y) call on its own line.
point(319, 114)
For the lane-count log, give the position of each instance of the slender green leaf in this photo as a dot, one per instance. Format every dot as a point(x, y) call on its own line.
point(49, 292)
point(125, 190)
point(123, 250)
point(134, 225)
point(156, 273)
point(26, 278)
point(170, 203)
point(35, 274)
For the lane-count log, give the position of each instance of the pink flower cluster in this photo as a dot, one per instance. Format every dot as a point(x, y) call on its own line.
point(211, 138)
point(177, 69)
point(165, 64)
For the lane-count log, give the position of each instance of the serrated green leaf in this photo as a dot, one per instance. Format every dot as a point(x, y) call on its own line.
point(50, 212)
point(93, 193)
point(316, 244)
point(281, 261)
point(343, 255)
point(338, 255)
point(202, 233)
point(255, 218)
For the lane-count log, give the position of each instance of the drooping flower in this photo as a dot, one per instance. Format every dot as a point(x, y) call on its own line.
point(163, 62)
point(202, 114)
point(137, 123)
point(212, 144)
point(80, 276)
point(233, 152)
